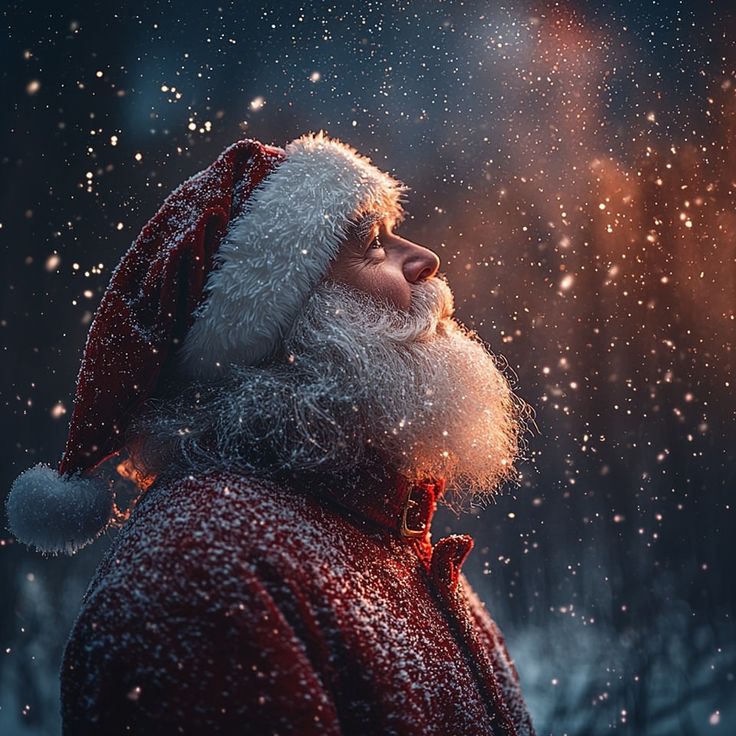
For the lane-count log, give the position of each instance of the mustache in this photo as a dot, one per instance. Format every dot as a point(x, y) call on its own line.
point(433, 298)
point(430, 314)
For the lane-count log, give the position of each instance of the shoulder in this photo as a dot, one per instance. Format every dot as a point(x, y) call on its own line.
point(187, 617)
point(216, 508)
point(192, 550)
point(201, 529)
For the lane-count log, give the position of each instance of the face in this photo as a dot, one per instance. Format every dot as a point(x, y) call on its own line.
point(381, 263)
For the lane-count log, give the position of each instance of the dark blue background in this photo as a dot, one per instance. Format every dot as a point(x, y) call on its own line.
point(571, 163)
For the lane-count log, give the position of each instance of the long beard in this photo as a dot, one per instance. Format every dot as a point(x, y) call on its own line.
point(357, 378)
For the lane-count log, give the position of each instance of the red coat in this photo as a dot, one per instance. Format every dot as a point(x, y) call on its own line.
point(234, 606)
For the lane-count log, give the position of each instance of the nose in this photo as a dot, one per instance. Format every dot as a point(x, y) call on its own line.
point(420, 263)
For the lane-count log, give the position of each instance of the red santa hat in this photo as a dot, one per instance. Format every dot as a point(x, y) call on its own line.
point(216, 277)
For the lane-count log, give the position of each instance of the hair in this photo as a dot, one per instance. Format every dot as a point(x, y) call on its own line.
point(357, 378)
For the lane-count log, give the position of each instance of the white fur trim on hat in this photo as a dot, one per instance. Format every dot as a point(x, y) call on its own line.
point(56, 513)
point(276, 252)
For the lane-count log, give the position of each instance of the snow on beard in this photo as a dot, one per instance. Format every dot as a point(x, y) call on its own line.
point(357, 373)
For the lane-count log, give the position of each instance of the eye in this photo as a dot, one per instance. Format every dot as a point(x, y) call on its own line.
point(375, 244)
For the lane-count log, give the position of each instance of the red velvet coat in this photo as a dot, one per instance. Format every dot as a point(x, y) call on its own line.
point(229, 605)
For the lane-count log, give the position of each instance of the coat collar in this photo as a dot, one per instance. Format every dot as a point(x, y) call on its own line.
point(385, 498)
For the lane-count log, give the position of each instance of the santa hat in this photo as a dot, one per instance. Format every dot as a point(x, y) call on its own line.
point(216, 277)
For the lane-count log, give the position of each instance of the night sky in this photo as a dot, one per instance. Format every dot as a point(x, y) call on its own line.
point(574, 166)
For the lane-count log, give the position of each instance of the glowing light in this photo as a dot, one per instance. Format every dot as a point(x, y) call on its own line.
point(53, 261)
point(58, 410)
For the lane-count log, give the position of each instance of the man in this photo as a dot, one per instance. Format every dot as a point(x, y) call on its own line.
point(280, 370)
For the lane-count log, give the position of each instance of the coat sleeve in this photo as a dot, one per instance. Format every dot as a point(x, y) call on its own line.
point(141, 661)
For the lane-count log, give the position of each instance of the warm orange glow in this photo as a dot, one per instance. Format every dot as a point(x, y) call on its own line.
point(129, 471)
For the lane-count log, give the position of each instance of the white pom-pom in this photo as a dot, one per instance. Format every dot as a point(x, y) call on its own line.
point(55, 513)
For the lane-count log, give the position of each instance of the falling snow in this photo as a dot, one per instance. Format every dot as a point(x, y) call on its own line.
point(572, 164)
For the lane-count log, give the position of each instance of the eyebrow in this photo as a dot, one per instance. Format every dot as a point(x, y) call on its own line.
point(362, 227)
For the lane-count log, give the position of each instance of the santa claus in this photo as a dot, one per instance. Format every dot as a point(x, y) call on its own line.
point(281, 372)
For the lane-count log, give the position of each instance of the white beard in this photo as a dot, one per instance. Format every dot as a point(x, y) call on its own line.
point(356, 374)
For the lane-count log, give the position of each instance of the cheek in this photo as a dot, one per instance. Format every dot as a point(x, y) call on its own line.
point(386, 283)
point(383, 281)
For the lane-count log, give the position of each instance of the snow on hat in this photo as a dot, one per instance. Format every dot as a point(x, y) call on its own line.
point(216, 277)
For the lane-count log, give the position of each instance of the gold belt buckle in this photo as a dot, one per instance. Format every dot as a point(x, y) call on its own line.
point(406, 530)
